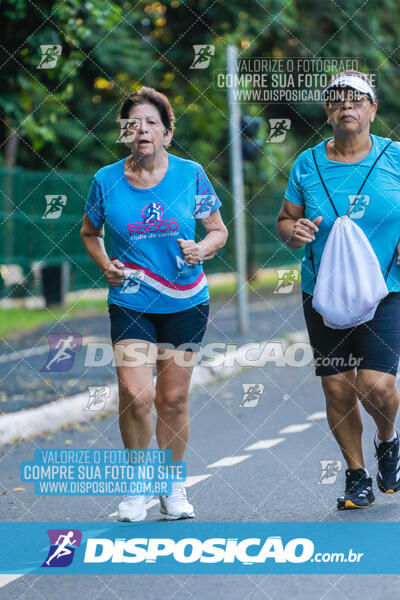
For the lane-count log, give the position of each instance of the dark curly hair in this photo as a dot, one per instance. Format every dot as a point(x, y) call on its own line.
point(147, 95)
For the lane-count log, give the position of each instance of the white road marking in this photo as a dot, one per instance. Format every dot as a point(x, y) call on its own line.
point(5, 579)
point(265, 444)
point(224, 462)
point(195, 479)
point(228, 461)
point(321, 414)
point(296, 428)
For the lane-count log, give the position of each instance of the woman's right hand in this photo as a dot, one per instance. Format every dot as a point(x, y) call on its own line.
point(304, 230)
point(114, 272)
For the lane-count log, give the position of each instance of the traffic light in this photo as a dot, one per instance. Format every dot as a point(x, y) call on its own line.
point(249, 129)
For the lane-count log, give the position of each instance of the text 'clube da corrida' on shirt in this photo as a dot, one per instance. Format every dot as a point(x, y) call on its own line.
point(142, 227)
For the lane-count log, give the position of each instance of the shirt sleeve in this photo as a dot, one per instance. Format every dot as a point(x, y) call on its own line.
point(207, 200)
point(294, 193)
point(94, 206)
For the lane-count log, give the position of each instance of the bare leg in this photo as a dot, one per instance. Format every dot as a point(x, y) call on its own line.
point(380, 398)
point(344, 416)
point(136, 394)
point(172, 393)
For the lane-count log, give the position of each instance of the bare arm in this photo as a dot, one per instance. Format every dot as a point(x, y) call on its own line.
point(215, 238)
point(293, 228)
point(93, 239)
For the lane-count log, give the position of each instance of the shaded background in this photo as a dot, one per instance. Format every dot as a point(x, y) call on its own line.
point(59, 125)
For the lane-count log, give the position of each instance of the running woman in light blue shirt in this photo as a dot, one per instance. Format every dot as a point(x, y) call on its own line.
point(149, 204)
point(359, 363)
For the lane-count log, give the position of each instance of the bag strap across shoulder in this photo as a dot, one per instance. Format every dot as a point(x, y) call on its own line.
point(362, 185)
point(323, 183)
point(334, 207)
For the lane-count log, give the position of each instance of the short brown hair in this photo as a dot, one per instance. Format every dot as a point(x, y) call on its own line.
point(147, 95)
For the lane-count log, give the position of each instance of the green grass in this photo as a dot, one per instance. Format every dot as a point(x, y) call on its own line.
point(16, 322)
point(266, 284)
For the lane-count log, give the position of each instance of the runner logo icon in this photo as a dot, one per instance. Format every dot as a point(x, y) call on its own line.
point(204, 205)
point(62, 349)
point(329, 471)
point(131, 283)
point(358, 205)
point(61, 551)
point(286, 280)
point(152, 212)
point(279, 129)
point(251, 394)
point(203, 54)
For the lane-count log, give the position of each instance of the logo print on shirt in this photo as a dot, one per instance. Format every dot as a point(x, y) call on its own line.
point(152, 212)
point(183, 267)
point(152, 221)
point(359, 204)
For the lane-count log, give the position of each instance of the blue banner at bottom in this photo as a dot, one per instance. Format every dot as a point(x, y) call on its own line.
point(193, 547)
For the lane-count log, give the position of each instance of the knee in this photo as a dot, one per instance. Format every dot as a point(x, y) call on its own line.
point(377, 389)
point(171, 403)
point(135, 402)
point(338, 392)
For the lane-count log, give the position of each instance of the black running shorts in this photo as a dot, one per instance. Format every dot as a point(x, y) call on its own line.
point(184, 327)
point(373, 345)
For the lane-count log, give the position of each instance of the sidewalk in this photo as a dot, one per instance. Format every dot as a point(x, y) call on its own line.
point(214, 279)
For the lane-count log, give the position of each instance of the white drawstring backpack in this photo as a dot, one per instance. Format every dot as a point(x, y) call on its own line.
point(350, 284)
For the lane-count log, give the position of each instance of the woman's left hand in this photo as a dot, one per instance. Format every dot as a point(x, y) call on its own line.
point(190, 250)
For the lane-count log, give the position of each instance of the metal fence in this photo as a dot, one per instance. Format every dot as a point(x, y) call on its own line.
point(29, 240)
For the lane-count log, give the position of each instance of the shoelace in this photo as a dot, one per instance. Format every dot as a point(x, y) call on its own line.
point(356, 484)
point(127, 498)
point(146, 498)
point(387, 459)
point(178, 493)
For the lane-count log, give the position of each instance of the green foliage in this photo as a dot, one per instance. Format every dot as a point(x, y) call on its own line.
point(65, 117)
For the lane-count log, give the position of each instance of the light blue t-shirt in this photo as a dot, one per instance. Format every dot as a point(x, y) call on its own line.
point(142, 226)
point(376, 211)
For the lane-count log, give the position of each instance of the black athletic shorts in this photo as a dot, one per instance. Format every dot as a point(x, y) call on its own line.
point(373, 345)
point(184, 327)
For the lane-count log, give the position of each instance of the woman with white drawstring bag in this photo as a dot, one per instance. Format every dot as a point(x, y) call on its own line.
point(342, 203)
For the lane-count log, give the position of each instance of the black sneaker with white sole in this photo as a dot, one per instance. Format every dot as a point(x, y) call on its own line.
point(358, 492)
point(388, 476)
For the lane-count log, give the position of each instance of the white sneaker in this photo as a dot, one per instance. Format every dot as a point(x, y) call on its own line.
point(133, 508)
point(176, 505)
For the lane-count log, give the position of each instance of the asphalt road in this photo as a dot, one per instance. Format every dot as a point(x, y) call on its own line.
point(262, 462)
point(23, 383)
point(271, 484)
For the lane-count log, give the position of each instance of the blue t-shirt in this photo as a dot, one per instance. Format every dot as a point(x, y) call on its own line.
point(142, 227)
point(376, 211)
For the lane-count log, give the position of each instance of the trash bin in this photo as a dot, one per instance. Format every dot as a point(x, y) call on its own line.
point(55, 283)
